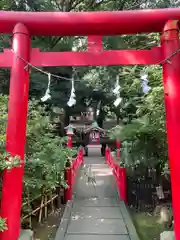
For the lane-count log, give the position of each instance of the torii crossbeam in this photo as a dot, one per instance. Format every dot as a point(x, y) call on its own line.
point(23, 25)
point(89, 23)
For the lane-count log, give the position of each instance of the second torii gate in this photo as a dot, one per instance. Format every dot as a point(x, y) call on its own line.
point(23, 25)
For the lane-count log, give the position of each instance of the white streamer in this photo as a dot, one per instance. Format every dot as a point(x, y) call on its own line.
point(72, 99)
point(144, 84)
point(47, 94)
point(116, 91)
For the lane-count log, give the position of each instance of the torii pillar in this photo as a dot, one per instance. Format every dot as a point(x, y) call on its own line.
point(16, 133)
point(171, 78)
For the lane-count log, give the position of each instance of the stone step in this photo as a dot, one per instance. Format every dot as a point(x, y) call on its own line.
point(97, 226)
point(97, 237)
point(92, 213)
point(96, 202)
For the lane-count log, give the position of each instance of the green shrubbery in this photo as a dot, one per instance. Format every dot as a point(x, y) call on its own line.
point(46, 156)
point(143, 139)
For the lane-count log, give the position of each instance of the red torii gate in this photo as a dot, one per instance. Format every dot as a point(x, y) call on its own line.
point(93, 24)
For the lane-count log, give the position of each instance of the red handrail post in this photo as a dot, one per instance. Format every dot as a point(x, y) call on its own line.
point(107, 154)
point(123, 184)
point(69, 141)
point(119, 182)
point(68, 178)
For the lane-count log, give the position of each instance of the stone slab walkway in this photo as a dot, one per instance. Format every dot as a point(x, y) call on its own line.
point(95, 212)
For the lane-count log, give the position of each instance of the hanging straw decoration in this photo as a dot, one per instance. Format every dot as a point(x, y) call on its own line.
point(116, 91)
point(47, 94)
point(98, 108)
point(72, 99)
point(88, 101)
point(144, 82)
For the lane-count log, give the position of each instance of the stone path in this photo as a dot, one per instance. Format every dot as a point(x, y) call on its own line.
point(96, 213)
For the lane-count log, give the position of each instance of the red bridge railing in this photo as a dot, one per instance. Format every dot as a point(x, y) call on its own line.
point(119, 174)
point(70, 174)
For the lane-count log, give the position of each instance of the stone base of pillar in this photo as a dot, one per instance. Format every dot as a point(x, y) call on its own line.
point(167, 235)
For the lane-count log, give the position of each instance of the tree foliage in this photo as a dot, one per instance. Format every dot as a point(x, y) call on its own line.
point(144, 134)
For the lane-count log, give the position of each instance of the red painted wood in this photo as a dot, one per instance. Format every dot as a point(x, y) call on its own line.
point(16, 134)
point(70, 174)
point(89, 23)
point(119, 174)
point(105, 58)
point(69, 141)
point(171, 76)
point(122, 183)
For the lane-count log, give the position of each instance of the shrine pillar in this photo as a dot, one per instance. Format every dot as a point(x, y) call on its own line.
point(16, 132)
point(171, 79)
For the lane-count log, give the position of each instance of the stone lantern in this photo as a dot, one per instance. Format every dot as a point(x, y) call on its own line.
point(69, 132)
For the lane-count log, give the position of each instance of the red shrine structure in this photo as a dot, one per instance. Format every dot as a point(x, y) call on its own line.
point(24, 25)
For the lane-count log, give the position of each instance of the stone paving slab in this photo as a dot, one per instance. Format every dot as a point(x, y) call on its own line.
point(98, 166)
point(97, 237)
point(95, 161)
point(105, 185)
point(97, 202)
point(97, 226)
point(96, 212)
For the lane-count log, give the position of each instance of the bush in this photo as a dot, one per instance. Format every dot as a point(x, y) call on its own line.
point(143, 139)
point(46, 157)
